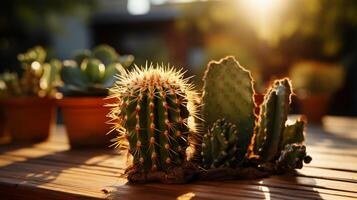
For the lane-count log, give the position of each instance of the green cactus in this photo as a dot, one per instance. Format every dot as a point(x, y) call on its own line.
point(154, 114)
point(36, 53)
point(228, 93)
point(106, 54)
point(293, 133)
point(91, 73)
point(292, 157)
point(272, 118)
point(39, 78)
point(219, 145)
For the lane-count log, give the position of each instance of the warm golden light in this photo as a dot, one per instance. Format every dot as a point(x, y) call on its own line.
point(263, 15)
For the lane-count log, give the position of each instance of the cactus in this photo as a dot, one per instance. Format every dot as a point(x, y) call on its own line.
point(272, 118)
point(106, 54)
point(228, 93)
point(154, 114)
point(91, 73)
point(219, 146)
point(293, 133)
point(292, 157)
point(39, 78)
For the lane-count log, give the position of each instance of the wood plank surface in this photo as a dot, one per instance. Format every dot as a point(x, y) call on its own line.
point(50, 170)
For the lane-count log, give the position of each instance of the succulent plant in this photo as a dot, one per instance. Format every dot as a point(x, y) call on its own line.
point(219, 145)
point(261, 143)
point(272, 118)
point(292, 157)
point(228, 93)
point(154, 115)
point(91, 73)
point(39, 78)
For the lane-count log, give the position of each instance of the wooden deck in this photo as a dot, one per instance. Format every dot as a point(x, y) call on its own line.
point(50, 170)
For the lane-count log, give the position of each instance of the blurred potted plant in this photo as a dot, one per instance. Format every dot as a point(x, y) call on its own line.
point(28, 102)
point(315, 82)
point(2, 117)
point(86, 79)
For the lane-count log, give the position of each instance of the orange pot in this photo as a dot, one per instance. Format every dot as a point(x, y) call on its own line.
point(28, 119)
point(85, 121)
point(2, 121)
point(315, 107)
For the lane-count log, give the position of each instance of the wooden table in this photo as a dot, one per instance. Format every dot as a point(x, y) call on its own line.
point(50, 170)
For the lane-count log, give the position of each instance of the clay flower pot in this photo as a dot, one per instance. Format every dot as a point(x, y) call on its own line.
point(28, 119)
point(2, 121)
point(85, 121)
point(315, 107)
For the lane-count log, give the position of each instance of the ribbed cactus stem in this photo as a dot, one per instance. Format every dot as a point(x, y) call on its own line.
point(272, 118)
point(219, 145)
point(153, 110)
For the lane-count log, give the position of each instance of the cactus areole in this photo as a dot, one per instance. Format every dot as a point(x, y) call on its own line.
point(156, 120)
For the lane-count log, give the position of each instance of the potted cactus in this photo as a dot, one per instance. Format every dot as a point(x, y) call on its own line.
point(315, 83)
point(174, 136)
point(86, 79)
point(28, 102)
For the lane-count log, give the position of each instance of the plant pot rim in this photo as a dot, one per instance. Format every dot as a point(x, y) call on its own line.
point(84, 101)
point(26, 100)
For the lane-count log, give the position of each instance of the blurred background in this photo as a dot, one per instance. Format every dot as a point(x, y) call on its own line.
point(312, 41)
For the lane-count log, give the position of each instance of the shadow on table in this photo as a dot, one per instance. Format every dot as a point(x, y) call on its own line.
point(277, 187)
point(25, 166)
point(317, 136)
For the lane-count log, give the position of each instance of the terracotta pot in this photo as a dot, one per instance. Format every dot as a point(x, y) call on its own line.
point(315, 107)
point(2, 121)
point(28, 119)
point(85, 121)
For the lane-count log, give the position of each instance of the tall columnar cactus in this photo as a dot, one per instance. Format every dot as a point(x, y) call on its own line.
point(219, 145)
point(154, 114)
point(228, 93)
point(272, 118)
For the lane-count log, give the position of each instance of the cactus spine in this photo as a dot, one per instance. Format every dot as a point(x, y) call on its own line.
point(272, 118)
point(154, 111)
point(228, 93)
point(219, 146)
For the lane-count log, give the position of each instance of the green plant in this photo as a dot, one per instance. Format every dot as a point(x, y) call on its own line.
point(219, 145)
point(313, 77)
point(273, 115)
point(91, 73)
point(39, 78)
point(228, 93)
point(154, 114)
point(267, 142)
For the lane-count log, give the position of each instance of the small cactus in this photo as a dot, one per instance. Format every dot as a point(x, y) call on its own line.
point(228, 93)
point(154, 114)
point(292, 157)
point(219, 145)
point(293, 133)
point(39, 78)
point(272, 118)
point(91, 73)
